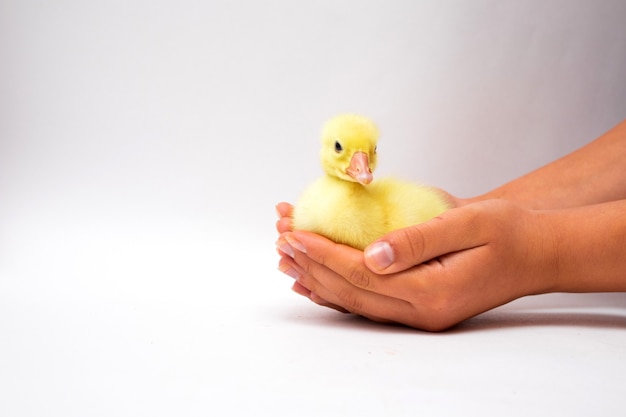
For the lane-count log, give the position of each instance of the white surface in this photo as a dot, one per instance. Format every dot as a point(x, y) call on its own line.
point(127, 323)
point(143, 146)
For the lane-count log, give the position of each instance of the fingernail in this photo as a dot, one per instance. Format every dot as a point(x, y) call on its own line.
point(381, 254)
point(295, 244)
point(285, 248)
point(287, 270)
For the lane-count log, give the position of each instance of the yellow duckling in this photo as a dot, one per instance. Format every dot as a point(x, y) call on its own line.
point(345, 205)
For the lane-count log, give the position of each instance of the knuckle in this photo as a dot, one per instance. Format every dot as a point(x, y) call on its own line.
point(284, 225)
point(350, 301)
point(413, 239)
point(320, 258)
point(305, 264)
point(359, 278)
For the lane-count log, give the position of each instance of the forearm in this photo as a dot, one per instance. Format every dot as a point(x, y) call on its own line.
point(588, 246)
point(593, 174)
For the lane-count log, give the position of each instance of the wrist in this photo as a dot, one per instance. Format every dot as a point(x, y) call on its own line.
point(585, 248)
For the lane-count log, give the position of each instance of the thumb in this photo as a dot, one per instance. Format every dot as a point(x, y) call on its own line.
point(455, 230)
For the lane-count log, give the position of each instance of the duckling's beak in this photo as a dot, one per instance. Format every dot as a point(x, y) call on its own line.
point(359, 168)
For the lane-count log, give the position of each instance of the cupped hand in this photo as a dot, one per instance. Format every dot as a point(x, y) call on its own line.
point(429, 276)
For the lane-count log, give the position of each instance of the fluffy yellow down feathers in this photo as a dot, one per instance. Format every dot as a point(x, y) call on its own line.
point(346, 205)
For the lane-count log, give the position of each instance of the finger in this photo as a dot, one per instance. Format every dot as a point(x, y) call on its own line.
point(320, 255)
point(453, 231)
point(283, 247)
point(321, 301)
point(385, 310)
point(344, 300)
point(336, 273)
point(284, 212)
point(300, 289)
point(284, 224)
point(287, 266)
point(284, 209)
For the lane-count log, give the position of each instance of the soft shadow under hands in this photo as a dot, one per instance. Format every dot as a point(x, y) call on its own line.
point(607, 311)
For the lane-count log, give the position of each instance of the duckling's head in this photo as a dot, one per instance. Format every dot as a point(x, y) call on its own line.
point(349, 148)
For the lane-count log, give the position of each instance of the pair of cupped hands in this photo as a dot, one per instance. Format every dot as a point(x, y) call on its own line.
point(472, 258)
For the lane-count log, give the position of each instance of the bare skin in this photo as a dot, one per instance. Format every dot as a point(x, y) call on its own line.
point(561, 228)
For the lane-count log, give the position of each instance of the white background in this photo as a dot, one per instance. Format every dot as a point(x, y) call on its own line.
point(143, 145)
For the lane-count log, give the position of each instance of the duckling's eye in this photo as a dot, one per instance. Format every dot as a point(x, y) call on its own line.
point(338, 147)
point(375, 148)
